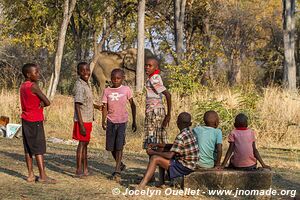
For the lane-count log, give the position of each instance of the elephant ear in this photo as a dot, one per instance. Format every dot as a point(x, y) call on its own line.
point(129, 59)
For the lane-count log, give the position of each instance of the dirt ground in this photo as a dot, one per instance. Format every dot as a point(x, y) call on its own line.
point(60, 164)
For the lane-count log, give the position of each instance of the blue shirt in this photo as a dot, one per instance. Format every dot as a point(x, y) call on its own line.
point(207, 139)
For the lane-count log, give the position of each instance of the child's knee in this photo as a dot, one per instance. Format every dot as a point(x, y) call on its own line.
point(154, 158)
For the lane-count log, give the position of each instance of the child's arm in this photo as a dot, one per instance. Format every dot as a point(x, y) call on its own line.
point(219, 155)
point(79, 117)
point(228, 153)
point(169, 105)
point(44, 100)
point(133, 110)
point(98, 107)
point(257, 156)
point(104, 114)
point(167, 155)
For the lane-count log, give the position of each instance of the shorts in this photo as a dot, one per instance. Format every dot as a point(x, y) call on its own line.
point(76, 132)
point(250, 168)
point(115, 136)
point(176, 169)
point(153, 129)
point(33, 137)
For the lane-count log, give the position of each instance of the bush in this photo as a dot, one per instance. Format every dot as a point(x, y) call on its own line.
point(245, 102)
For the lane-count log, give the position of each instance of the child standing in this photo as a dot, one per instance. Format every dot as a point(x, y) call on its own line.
point(32, 103)
point(209, 139)
point(181, 159)
point(83, 117)
point(242, 145)
point(115, 117)
point(156, 119)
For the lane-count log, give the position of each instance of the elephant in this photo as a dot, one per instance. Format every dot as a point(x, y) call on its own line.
point(107, 61)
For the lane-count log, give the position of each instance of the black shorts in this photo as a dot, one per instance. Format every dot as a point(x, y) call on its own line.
point(33, 137)
point(115, 136)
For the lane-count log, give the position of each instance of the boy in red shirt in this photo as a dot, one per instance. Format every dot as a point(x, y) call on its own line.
point(32, 103)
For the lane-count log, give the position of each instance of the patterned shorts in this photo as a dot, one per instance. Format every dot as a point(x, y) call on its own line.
point(153, 122)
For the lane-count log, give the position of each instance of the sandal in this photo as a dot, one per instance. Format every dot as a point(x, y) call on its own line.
point(116, 176)
point(48, 180)
point(123, 167)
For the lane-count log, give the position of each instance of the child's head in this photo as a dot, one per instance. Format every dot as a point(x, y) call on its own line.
point(184, 120)
point(241, 121)
point(211, 119)
point(83, 70)
point(151, 65)
point(31, 72)
point(117, 76)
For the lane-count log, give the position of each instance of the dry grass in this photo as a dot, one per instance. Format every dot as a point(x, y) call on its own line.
point(61, 163)
point(277, 111)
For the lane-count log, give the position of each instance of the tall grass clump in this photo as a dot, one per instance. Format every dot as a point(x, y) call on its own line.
point(273, 114)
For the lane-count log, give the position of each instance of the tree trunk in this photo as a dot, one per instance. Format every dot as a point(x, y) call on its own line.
point(68, 9)
point(289, 74)
point(179, 10)
point(141, 51)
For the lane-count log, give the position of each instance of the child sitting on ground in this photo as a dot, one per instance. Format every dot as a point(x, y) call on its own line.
point(115, 117)
point(181, 159)
point(209, 139)
point(242, 145)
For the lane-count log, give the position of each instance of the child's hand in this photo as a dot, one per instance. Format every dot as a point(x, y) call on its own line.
point(104, 125)
point(98, 107)
point(166, 121)
point(134, 127)
point(219, 167)
point(267, 167)
point(82, 131)
point(42, 104)
point(150, 151)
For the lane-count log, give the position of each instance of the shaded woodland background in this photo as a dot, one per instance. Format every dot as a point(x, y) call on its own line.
point(232, 42)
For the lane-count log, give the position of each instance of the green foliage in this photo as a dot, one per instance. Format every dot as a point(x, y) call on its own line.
point(246, 102)
point(184, 78)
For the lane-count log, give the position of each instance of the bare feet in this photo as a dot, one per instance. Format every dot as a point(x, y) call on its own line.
point(31, 179)
point(48, 180)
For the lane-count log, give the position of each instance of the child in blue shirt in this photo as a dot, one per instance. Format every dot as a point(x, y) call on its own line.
point(209, 139)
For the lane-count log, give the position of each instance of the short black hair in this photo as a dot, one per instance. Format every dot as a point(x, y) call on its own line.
point(117, 70)
point(210, 118)
point(154, 58)
point(26, 68)
point(185, 118)
point(241, 121)
point(81, 64)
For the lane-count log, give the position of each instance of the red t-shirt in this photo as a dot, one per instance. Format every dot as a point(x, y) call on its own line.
point(30, 103)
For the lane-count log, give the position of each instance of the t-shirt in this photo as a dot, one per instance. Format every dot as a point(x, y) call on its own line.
point(83, 95)
point(207, 139)
point(185, 145)
point(154, 89)
point(30, 104)
point(243, 155)
point(116, 99)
